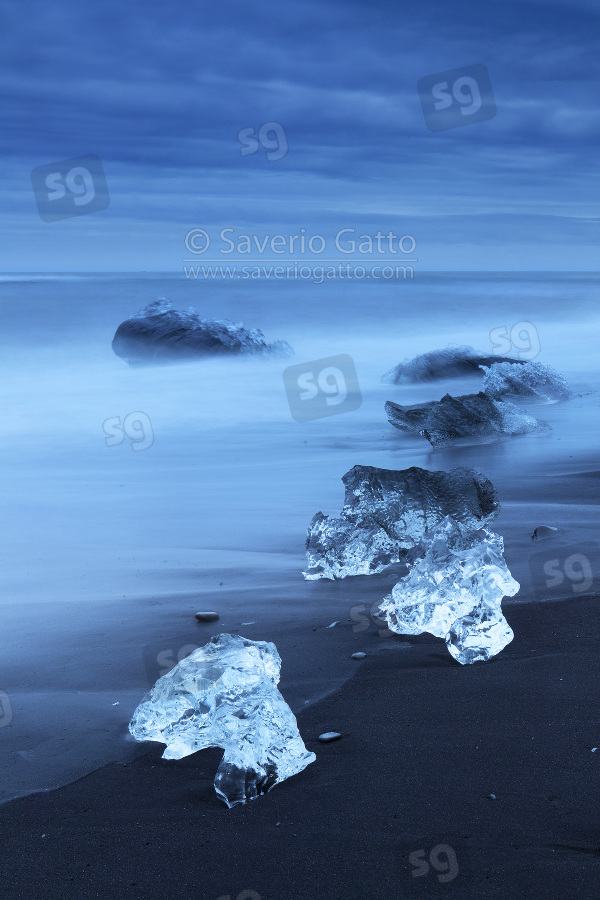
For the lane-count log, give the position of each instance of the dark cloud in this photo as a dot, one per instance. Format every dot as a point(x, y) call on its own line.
point(160, 94)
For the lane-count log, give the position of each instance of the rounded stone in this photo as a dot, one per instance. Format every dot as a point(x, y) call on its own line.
point(207, 616)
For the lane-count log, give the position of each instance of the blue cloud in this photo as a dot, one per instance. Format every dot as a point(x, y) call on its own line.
point(160, 95)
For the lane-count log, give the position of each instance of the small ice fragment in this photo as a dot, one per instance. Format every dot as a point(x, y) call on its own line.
point(386, 512)
point(333, 624)
point(116, 704)
point(248, 623)
point(225, 695)
point(479, 636)
point(207, 616)
point(449, 363)
point(543, 532)
point(454, 590)
point(358, 655)
point(492, 796)
point(594, 749)
point(329, 736)
point(529, 380)
point(474, 416)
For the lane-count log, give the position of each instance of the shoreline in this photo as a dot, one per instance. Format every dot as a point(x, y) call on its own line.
point(424, 743)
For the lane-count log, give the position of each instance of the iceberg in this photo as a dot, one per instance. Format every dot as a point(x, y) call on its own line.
point(225, 695)
point(529, 380)
point(159, 334)
point(469, 416)
point(387, 512)
point(454, 590)
point(449, 363)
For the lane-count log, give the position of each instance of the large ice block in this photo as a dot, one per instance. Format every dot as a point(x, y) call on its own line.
point(386, 512)
point(225, 695)
point(159, 333)
point(449, 363)
point(529, 380)
point(455, 590)
point(474, 416)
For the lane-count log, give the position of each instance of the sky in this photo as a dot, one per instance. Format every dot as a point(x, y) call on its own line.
point(160, 95)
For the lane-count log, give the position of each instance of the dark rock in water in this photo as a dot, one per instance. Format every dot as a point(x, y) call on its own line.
point(386, 513)
point(160, 334)
point(469, 416)
point(544, 532)
point(450, 363)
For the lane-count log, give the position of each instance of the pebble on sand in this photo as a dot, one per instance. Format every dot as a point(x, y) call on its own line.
point(207, 616)
point(329, 736)
point(543, 532)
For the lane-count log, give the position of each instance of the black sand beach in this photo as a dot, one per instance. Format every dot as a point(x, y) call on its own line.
point(425, 742)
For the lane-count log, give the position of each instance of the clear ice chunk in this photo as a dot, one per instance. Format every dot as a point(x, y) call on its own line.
point(473, 416)
point(449, 363)
point(387, 512)
point(159, 333)
point(225, 695)
point(478, 637)
point(454, 590)
point(529, 380)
